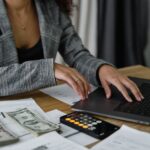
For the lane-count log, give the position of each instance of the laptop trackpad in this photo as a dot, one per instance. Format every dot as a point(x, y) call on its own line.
point(98, 101)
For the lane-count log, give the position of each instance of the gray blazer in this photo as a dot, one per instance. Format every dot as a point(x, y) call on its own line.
point(57, 34)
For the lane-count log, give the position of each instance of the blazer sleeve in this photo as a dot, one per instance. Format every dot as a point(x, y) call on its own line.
point(75, 54)
point(31, 75)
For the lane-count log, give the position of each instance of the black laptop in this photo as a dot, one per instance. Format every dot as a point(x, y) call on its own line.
point(117, 107)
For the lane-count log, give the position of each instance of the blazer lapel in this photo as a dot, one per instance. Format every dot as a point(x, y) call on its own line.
point(50, 32)
point(6, 30)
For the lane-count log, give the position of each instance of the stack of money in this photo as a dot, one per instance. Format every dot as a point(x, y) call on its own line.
point(6, 136)
point(31, 121)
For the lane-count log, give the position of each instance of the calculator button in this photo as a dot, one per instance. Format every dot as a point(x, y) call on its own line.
point(81, 121)
point(98, 121)
point(94, 123)
point(101, 134)
point(76, 119)
point(77, 123)
point(85, 119)
point(90, 121)
point(85, 127)
point(90, 125)
point(92, 128)
point(81, 114)
point(67, 119)
point(72, 121)
point(81, 125)
point(85, 123)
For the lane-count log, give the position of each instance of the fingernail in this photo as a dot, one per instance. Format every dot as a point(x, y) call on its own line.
point(130, 100)
point(107, 96)
point(139, 99)
point(142, 96)
point(83, 97)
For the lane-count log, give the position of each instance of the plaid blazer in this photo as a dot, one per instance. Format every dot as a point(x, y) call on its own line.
point(57, 35)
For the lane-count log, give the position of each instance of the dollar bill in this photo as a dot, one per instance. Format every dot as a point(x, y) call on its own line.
point(31, 121)
point(6, 136)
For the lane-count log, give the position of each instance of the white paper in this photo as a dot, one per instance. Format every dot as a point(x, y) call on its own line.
point(10, 105)
point(64, 93)
point(68, 132)
point(50, 141)
point(125, 139)
point(83, 139)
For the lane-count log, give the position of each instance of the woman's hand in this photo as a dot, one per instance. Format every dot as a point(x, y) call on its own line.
point(109, 75)
point(73, 78)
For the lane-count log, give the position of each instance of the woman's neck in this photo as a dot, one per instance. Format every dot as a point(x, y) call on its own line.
point(18, 5)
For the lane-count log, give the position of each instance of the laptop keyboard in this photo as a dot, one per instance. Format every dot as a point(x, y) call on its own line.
point(138, 108)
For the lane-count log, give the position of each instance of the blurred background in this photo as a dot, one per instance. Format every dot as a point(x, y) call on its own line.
point(117, 31)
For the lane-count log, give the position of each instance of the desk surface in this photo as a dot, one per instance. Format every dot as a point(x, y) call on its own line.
point(48, 103)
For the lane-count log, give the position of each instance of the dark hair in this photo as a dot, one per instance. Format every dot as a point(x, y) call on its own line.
point(65, 5)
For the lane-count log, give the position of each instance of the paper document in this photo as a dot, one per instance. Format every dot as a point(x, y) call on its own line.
point(6, 106)
point(125, 139)
point(64, 93)
point(82, 139)
point(50, 141)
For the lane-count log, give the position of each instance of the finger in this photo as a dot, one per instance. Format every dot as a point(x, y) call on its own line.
point(74, 85)
point(81, 85)
point(106, 89)
point(86, 86)
point(122, 89)
point(135, 85)
point(133, 88)
point(85, 83)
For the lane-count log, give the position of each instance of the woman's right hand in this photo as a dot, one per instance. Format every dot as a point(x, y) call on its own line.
point(73, 78)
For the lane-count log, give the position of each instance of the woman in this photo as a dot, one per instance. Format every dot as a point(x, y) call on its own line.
point(32, 31)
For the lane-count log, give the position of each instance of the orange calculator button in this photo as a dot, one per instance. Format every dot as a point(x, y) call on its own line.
point(77, 123)
point(72, 121)
point(85, 127)
point(81, 125)
point(67, 119)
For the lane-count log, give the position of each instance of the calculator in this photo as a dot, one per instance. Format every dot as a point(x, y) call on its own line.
point(89, 124)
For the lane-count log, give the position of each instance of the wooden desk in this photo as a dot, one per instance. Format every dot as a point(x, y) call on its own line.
point(48, 103)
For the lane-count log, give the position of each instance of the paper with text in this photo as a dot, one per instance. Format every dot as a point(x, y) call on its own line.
point(64, 93)
point(125, 139)
point(50, 141)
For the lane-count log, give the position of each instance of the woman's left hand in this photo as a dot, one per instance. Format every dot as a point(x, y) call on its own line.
point(110, 76)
